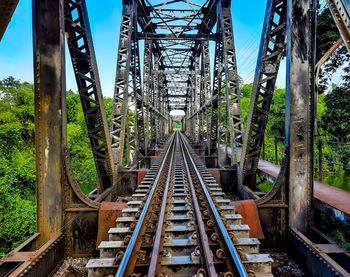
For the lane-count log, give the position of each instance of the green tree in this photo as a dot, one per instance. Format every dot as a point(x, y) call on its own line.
point(336, 118)
point(336, 125)
point(17, 163)
point(327, 35)
point(17, 158)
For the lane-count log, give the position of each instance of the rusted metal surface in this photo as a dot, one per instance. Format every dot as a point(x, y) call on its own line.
point(107, 215)
point(316, 260)
point(332, 200)
point(340, 11)
point(250, 216)
point(82, 53)
point(272, 47)
point(335, 197)
point(41, 262)
point(160, 231)
point(7, 8)
point(300, 91)
point(201, 227)
point(273, 208)
point(50, 114)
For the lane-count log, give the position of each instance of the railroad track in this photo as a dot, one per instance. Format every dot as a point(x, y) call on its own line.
point(179, 223)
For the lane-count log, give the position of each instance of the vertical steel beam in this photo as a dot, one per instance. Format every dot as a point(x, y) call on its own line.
point(50, 114)
point(155, 100)
point(147, 86)
point(272, 46)
point(82, 53)
point(138, 92)
point(120, 105)
point(214, 109)
point(197, 92)
point(299, 110)
point(233, 96)
point(206, 92)
point(158, 105)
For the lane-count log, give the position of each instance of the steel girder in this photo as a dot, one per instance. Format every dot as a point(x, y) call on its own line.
point(155, 103)
point(128, 93)
point(159, 105)
point(197, 94)
point(225, 77)
point(120, 103)
point(300, 90)
point(148, 85)
point(231, 80)
point(191, 106)
point(7, 8)
point(50, 116)
point(340, 11)
point(205, 89)
point(216, 90)
point(132, 144)
point(270, 54)
point(138, 94)
point(82, 53)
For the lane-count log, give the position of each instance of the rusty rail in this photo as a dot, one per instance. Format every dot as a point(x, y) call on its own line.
point(135, 238)
point(218, 221)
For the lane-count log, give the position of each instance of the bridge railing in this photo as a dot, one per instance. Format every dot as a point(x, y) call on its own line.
point(331, 158)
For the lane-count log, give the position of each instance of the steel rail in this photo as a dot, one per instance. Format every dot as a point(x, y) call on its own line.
point(160, 232)
point(227, 239)
point(201, 228)
point(135, 235)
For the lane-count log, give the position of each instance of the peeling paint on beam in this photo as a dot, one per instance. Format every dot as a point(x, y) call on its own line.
point(50, 114)
point(299, 110)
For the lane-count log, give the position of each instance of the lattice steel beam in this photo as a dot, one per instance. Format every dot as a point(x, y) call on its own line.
point(120, 107)
point(82, 53)
point(340, 11)
point(231, 80)
point(7, 8)
point(214, 115)
point(138, 94)
point(270, 54)
point(205, 89)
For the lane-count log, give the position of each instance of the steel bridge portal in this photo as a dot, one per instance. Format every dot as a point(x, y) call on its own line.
point(179, 167)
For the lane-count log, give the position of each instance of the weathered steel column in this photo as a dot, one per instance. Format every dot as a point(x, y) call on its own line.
point(299, 110)
point(147, 88)
point(198, 98)
point(50, 114)
point(121, 90)
point(233, 106)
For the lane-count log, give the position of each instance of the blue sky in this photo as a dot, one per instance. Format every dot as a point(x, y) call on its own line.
point(16, 51)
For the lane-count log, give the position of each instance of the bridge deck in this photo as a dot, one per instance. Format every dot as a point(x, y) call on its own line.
point(332, 196)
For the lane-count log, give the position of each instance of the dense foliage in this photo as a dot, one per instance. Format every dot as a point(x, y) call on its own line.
point(17, 163)
point(327, 35)
point(17, 158)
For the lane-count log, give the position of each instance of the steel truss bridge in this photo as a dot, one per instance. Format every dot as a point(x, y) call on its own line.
point(187, 62)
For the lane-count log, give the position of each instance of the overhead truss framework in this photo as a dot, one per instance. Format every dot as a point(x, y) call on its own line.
point(176, 76)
